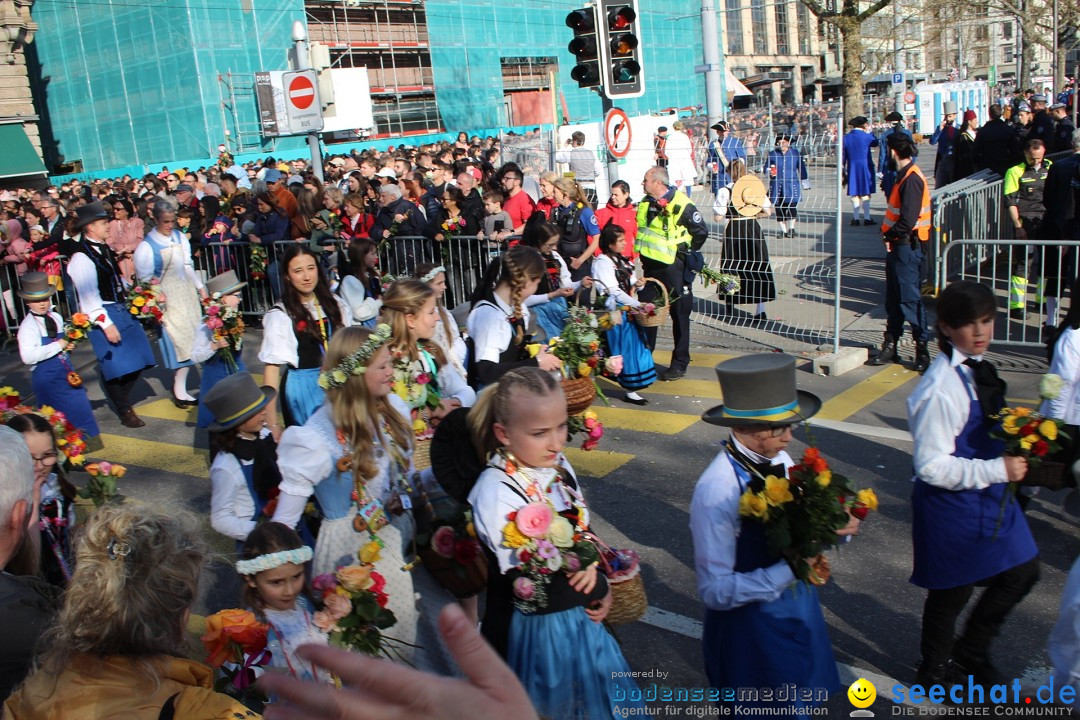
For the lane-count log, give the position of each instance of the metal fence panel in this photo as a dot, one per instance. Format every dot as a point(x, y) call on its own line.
point(14, 308)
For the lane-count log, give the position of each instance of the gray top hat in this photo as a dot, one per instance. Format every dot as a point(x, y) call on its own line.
point(87, 214)
point(234, 399)
point(948, 108)
point(225, 283)
point(35, 286)
point(760, 390)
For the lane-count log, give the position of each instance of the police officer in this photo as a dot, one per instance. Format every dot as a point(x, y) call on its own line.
point(1042, 125)
point(905, 232)
point(1063, 130)
point(669, 227)
point(1021, 125)
point(1061, 221)
point(1023, 187)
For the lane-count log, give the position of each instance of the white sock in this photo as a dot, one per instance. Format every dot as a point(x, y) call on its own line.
point(1051, 310)
point(633, 396)
point(855, 208)
point(791, 224)
point(179, 387)
point(783, 225)
point(760, 308)
point(866, 208)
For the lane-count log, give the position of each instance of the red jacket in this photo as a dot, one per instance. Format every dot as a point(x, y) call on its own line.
point(626, 218)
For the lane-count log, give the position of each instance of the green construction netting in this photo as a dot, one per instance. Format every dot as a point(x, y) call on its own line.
point(19, 156)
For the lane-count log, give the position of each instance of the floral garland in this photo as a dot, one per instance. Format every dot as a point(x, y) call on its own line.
point(69, 439)
point(355, 364)
point(269, 561)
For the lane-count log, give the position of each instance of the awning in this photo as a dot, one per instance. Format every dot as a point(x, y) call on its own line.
point(734, 86)
point(19, 157)
point(768, 78)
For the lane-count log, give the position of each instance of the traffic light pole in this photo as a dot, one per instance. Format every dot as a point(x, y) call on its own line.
point(713, 66)
point(607, 106)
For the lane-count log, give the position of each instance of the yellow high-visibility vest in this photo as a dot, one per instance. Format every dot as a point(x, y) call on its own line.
point(659, 240)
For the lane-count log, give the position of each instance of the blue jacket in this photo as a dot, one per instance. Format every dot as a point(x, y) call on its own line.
point(733, 148)
point(883, 148)
point(790, 172)
point(271, 227)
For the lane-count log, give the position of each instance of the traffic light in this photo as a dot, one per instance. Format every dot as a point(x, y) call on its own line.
point(620, 50)
point(584, 47)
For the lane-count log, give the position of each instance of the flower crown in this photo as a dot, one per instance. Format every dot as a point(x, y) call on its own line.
point(356, 362)
point(430, 275)
point(259, 564)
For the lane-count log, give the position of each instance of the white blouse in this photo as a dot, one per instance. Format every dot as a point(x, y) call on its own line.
point(490, 330)
point(564, 281)
point(448, 337)
point(603, 269)
point(31, 330)
point(355, 294)
point(1066, 364)
point(84, 277)
point(144, 256)
point(232, 511)
point(279, 345)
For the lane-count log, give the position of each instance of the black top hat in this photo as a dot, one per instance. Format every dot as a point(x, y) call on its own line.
point(894, 117)
point(90, 212)
point(760, 389)
point(35, 286)
point(234, 399)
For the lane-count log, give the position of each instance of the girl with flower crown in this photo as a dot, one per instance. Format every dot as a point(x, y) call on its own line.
point(547, 626)
point(447, 333)
point(276, 590)
point(422, 377)
point(355, 455)
point(296, 334)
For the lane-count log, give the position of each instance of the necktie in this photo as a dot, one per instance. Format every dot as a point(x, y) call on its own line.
point(50, 325)
point(989, 388)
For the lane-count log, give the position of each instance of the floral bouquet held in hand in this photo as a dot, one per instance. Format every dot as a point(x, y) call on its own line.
point(354, 611)
point(589, 423)
point(1031, 435)
point(801, 513)
point(235, 643)
point(101, 487)
point(76, 330)
point(726, 283)
point(448, 548)
point(225, 323)
point(258, 262)
point(146, 302)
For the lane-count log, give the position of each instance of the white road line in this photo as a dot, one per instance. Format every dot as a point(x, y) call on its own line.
point(871, 431)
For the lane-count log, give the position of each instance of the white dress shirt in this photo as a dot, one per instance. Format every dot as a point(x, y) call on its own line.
point(1066, 364)
point(31, 330)
point(938, 410)
point(279, 346)
point(715, 525)
point(489, 328)
point(232, 511)
point(84, 276)
point(362, 306)
point(603, 269)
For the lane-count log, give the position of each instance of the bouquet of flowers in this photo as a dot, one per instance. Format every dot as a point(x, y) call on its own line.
point(9, 398)
point(588, 423)
point(257, 263)
point(1027, 433)
point(69, 439)
point(452, 226)
point(420, 391)
point(145, 301)
point(227, 324)
point(386, 281)
point(579, 344)
point(801, 513)
point(395, 226)
point(77, 329)
point(354, 610)
point(101, 487)
point(235, 643)
point(544, 543)
point(448, 548)
point(726, 284)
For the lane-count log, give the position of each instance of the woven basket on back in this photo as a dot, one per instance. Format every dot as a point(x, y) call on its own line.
point(662, 309)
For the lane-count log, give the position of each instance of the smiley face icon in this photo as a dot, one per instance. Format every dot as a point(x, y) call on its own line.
point(862, 693)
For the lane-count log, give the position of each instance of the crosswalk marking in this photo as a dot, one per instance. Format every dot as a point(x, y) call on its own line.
point(165, 410)
point(644, 420)
point(697, 359)
point(861, 394)
point(686, 387)
point(181, 459)
point(596, 463)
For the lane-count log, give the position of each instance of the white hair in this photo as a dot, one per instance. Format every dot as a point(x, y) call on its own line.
point(16, 471)
point(1076, 139)
point(390, 189)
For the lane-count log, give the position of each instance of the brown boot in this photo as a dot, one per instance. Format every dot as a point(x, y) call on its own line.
point(128, 418)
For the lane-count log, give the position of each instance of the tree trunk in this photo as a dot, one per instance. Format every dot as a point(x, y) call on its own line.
point(851, 44)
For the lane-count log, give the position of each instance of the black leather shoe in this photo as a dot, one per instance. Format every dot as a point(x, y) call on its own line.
point(635, 401)
point(922, 357)
point(887, 353)
point(854, 223)
point(983, 672)
point(183, 404)
point(945, 674)
point(128, 418)
point(672, 374)
point(869, 221)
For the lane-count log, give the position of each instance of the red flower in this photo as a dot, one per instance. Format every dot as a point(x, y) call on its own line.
point(591, 362)
point(301, 325)
point(1040, 448)
point(819, 465)
point(465, 551)
point(378, 582)
point(860, 511)
point(662, 202)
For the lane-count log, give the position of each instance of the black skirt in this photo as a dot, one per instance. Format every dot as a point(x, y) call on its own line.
point(747, 256)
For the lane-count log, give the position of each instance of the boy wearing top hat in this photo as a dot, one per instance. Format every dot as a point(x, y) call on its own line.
point(760, 630)
point(119, 341)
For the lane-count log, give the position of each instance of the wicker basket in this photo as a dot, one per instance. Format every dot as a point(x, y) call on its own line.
point(580, 393)
point(662, 310)
point(628, 601)
point(421, 456)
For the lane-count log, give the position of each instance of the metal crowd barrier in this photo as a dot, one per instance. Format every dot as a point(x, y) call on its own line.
point(970, 208)
point(13, 308)
point(1023, 274)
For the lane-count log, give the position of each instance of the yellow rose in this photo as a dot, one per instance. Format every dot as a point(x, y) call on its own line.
point(1048, 429)
point(470, 529)
point(824, 478)
point(139, 301)
point(777, 491)
point(1022, 411)
point(419, 426)
point(1027, 441)
point(400, 389)
point(1010, 429)
point(753, 505)
point(1009, 421)
point(369, 553)
point(512, 537)
point(583, 370)
point(868, 498)
point(561, 532)
point(355, 577)
point(589, 415)
point(533, 349)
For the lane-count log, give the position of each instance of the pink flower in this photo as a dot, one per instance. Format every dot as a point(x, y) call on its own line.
point(614, 364)
point(213, 310)
point(104, 468)
point(546, 550)
point(524, 588)
point(590, 423)
point(534, 519)
point(572, 562)
point(138, 289)
point(337, 606)
point(423, 379)
point(589, 444)
point(323, 621)
point(442, 542)
point(214, 323)
point(596, 433)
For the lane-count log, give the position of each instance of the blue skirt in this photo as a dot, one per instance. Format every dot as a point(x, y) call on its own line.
point(302, 395)
point(168, 353)
point(213, 370)
point(131, 354)
point(769, 645)
point(628, 340)
point(551, 316)
point(49, 380)
point(568, 664)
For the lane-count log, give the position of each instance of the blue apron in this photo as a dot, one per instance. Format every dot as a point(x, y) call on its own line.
point(953, 530)
point(768, 645)
point(626, 339)
point(249, 479)
point(49, 379)
point(131, 354)
point(213, 370)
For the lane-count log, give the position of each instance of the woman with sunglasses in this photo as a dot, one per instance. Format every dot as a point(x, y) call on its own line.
point(125, 233)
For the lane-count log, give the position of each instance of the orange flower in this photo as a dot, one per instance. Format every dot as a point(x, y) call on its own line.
point(355, 578)
point(819, 465)
point(811, 454)
point(80, 319)
point(229, 628)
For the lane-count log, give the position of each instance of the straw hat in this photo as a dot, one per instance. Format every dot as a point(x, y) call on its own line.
point(748, 195)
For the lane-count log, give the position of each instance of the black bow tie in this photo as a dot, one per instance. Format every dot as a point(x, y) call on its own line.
point(989, 388)
point(764, 468)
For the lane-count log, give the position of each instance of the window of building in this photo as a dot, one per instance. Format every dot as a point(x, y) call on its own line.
point(802, 18)
point(782, 46)
point(526, 73)
point(1007, 30)
point(759, 27)
point(734, 28)
point(980, 57)
point(982, 32)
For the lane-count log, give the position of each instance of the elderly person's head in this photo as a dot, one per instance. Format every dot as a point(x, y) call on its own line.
point(388, 194)
point(164, 213)
point(17, 489)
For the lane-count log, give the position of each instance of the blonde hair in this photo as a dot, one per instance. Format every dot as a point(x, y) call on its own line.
point(550, 176)
point(355, 412)
point(136, 576)
point(407, 297)
point(497, 403)
point(571, 189)
point(737, 169)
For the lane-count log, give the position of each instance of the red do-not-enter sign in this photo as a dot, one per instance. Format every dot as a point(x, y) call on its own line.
point(301, 93)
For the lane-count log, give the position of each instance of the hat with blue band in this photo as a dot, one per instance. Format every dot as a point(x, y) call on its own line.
point(760, 389)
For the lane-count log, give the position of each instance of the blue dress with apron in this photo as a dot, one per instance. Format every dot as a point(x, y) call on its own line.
point(165, 342)
point(214, 370)
point(49, 379)
point(953, 530)
point(768, 644)
point(628, 339)
point(300, 385)
point(132, 353)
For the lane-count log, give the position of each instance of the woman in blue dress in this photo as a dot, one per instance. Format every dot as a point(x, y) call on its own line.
point(787, 179)
point(966, 529)
point(296, 335)
point(859, 169)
